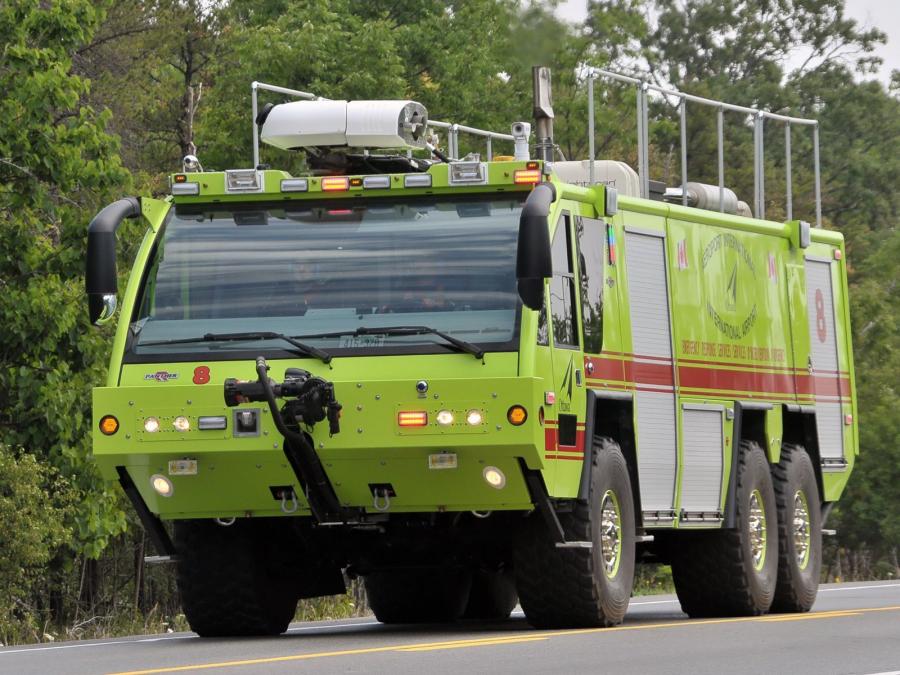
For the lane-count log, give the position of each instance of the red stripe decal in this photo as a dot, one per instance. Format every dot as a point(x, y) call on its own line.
point(653, 373)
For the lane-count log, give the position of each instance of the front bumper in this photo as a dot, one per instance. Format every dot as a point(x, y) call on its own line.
point(239, 475)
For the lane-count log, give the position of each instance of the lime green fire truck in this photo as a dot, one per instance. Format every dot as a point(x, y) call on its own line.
point(469, 382)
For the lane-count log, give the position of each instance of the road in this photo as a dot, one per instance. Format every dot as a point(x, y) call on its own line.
point(853, 629)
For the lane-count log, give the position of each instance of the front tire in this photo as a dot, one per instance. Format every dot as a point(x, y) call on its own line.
point(799, 531)
point(229, 581)
point(575, 587)
point(733, 572)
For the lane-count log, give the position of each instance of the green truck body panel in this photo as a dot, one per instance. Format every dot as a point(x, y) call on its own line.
point(738, 317)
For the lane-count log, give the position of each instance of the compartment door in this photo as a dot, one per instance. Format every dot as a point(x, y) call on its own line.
point(702, 462)
point(824, 360)
point(652, 372)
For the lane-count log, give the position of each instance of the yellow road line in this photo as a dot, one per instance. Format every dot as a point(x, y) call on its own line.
point(473, 643)
point(812, 615)
point(510, 639)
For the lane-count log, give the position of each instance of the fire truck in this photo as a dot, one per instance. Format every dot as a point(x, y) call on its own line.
point(471, 381)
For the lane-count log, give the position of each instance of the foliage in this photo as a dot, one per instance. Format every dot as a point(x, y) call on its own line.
point(57, 164)
point(33, 504)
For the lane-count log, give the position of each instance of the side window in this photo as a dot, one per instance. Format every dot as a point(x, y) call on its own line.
point(543, 336)
point(591, 234)
point(562, 288)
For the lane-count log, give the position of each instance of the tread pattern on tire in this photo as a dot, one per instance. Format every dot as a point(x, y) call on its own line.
point(707, 567)
point(789, 594)
point(556, 586)
point(219, 588)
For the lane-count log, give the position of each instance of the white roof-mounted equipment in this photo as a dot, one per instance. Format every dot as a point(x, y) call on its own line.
point(355, 124)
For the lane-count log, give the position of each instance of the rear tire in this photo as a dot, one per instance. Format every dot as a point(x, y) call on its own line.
point(799, 531)
point(418, 595)
point(492, 597)
point(732, 572)
point(577, 587)
point(230, 581)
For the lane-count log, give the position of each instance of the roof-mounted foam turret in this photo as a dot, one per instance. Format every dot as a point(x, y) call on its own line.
point(358, 124)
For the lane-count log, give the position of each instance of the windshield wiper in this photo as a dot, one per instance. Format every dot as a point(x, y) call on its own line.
point(462, 345)
point(300, 347)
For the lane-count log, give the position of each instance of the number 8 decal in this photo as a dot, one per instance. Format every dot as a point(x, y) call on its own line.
point(821, 326)
point(201, 374)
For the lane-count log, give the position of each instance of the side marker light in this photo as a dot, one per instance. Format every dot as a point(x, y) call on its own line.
point(109, 425)
point(517, 415)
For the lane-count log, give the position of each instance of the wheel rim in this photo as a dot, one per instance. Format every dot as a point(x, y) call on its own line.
point(610, 533)
point(758, 533)
point(802, 534)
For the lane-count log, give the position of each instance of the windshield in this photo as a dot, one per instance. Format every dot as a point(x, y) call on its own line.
point(305, 270)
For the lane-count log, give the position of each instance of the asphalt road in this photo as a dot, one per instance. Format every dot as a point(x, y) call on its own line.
point(853, 629)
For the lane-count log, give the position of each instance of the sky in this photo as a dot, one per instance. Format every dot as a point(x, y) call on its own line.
point(883, 14)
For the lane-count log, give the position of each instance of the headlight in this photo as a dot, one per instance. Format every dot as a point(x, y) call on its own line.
point(162, 485)
point(444, 418)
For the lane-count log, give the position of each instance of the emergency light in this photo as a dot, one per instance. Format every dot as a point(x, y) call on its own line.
point(358, 124)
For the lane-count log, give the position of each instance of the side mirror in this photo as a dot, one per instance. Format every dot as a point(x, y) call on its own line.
point(533, 261)
point(100, 274)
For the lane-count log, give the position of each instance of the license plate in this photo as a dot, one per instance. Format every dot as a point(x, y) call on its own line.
point(183, 467)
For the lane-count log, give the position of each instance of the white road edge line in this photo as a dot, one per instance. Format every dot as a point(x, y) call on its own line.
point(861, 588)
point(82, 645)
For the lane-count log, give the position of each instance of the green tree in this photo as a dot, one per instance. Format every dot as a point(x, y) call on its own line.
point(57, 165)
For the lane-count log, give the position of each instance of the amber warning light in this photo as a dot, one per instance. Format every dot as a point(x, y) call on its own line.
point(109, 425)
point(526, 176)
point(335, 184)
point(412, 418)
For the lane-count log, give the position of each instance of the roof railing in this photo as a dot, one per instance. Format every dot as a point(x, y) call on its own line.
point(453, 130)
point(759, 117)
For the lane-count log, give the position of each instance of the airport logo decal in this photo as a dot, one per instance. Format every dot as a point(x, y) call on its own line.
point(733, 311)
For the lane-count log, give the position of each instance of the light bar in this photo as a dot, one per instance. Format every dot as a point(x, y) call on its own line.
point(376, 182)
point(243, 180)
point(526, 176)
point(186, 189)
point(417, 180)
point(412, 418)
point(294, 185)
point(335, 184)
point(468, 173)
